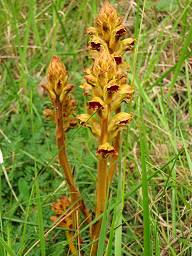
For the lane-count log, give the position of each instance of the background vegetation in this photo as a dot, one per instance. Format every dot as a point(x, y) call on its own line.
point(152, 196)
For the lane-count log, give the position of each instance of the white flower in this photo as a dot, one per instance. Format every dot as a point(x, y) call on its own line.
point(1, 157)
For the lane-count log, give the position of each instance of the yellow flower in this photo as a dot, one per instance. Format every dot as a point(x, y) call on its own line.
point(119, 121)
point(105, 150)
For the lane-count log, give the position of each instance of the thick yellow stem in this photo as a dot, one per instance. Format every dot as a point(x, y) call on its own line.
point(75, 194)
point(101, 194)
point(113, 163)
point(101, 187)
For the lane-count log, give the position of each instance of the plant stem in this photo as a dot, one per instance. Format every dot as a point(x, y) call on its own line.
point(113, 164)
point(60, 137)
point(101, 187)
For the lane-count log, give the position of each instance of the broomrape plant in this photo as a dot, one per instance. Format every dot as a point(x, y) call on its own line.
point(106, 88)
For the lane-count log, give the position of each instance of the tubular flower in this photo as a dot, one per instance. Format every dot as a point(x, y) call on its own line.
point(119, 121)
point(106, 150)
point(88, 121)
point(60, 91)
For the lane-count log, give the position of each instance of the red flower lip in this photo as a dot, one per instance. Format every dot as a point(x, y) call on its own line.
point(106, 150)
point(113, 88)
point(95, 105)
point(124, 122)
point(118, 60)
point(95, 46)
point(121, 32)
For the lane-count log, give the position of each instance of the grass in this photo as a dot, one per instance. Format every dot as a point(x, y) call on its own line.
point(150, 202)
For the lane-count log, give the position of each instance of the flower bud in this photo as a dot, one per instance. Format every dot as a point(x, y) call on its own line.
point(57, 79)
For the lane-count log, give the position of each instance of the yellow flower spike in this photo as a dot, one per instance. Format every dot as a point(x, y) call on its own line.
point(107, 86)
point(105, 150)
point(56, 69)
point(109, 27)
point(64, 106)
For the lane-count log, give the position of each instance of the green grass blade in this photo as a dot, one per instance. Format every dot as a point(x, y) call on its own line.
point(40, 218)
point(189, 161)
point(189, 91)
point(181, 60)
point(111, 237)
point(25, 223)
point(102, 237)
point(146, 214)
point(7, 248)
point(118, 216)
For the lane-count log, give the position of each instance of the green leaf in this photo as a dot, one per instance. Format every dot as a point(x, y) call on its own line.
point(23, 189)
